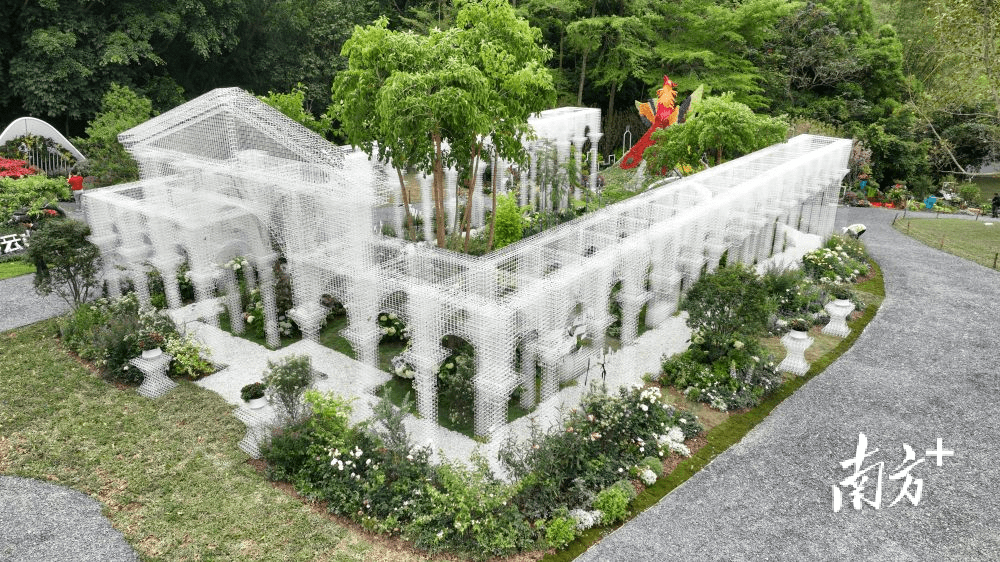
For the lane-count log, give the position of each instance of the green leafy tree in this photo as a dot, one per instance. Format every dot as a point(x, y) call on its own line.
point(950, 53)
point(715, 43)
point(481, 78)
point(829, 60)
point(722, 127)
point(66, 263)
point(59, 57)
point(108, 161)
point(731, 302)
point(624, 50)
point(292, 105)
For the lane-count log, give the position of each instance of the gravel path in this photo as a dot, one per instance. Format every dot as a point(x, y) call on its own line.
point(45, 522)
point(926, 368)
point(20, 305)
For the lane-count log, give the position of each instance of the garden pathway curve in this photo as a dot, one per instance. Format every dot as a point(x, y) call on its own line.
point(44, 522)
point(927, 368)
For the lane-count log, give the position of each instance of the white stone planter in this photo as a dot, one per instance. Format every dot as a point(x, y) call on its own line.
point(257, 403)
point(151, 353)
point(796, 343)
point(839, 310)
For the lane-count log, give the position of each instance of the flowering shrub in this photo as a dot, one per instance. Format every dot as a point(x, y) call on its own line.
point(898, 193)
point(738, 379)
point(841, 260)
point(374, 475)
point(191, 359)
point(796, 296)
point(392, 327)
point(252, 391)
point(150, 339)
point(455, 388)
point(32, 193)
point(253, 303)
point(107, 332)
point(14, 168)
point(595, 446)
point(730, 304)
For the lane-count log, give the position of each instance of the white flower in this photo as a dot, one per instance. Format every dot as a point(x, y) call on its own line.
point(676, 434)
point(648, 477)
point(644, 407)
point(738, 344)
point(409, 457)
point(584, 519)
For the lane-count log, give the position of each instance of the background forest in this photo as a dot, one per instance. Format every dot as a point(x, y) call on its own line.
point(917, 80)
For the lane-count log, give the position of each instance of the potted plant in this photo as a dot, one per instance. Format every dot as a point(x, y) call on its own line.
point(253, 395)
point(842, 294)
point(150, 342)
point(798, 327)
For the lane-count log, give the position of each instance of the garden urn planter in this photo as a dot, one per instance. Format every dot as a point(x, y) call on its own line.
point(257, 403)
point(839, 310)
point(151, 353)
point(796, 343)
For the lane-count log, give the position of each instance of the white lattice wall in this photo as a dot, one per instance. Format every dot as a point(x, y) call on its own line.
point(226, 175)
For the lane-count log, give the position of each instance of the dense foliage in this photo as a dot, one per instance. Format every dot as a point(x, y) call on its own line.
point(107, 332)
point(569, 478)
point(914, 79)
point(30, 193)
point(66, 262)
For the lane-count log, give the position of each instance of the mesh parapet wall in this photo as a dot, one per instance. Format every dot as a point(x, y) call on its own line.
point(226, 175)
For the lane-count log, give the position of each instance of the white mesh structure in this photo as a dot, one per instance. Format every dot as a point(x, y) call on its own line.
point(225, 175)
point(155, 382)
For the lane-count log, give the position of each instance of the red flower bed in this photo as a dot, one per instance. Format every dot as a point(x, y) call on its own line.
point(11, 168)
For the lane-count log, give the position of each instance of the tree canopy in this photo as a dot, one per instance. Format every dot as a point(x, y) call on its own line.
point(431, 101)
point(721, 128)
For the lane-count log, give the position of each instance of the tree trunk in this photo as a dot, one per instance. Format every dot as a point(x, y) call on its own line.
point(439, 216)
point(493, 214)
point(562, 36)
point(718, 155)
point(611, 100)
point(406, 204)
point(583, 74)
point(468, 199)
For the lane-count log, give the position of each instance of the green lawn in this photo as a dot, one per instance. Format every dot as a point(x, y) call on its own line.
point(989, 186)
point(15, 268)
point(968, 239)
point(167, 471)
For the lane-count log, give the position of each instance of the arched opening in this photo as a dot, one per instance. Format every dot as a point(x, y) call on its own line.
point(335, 321)
point(456, 391)
point(394, 341)
point(525, 397)
point(613, 333)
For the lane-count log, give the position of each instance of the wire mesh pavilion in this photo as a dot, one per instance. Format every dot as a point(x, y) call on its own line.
point(225, 175)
